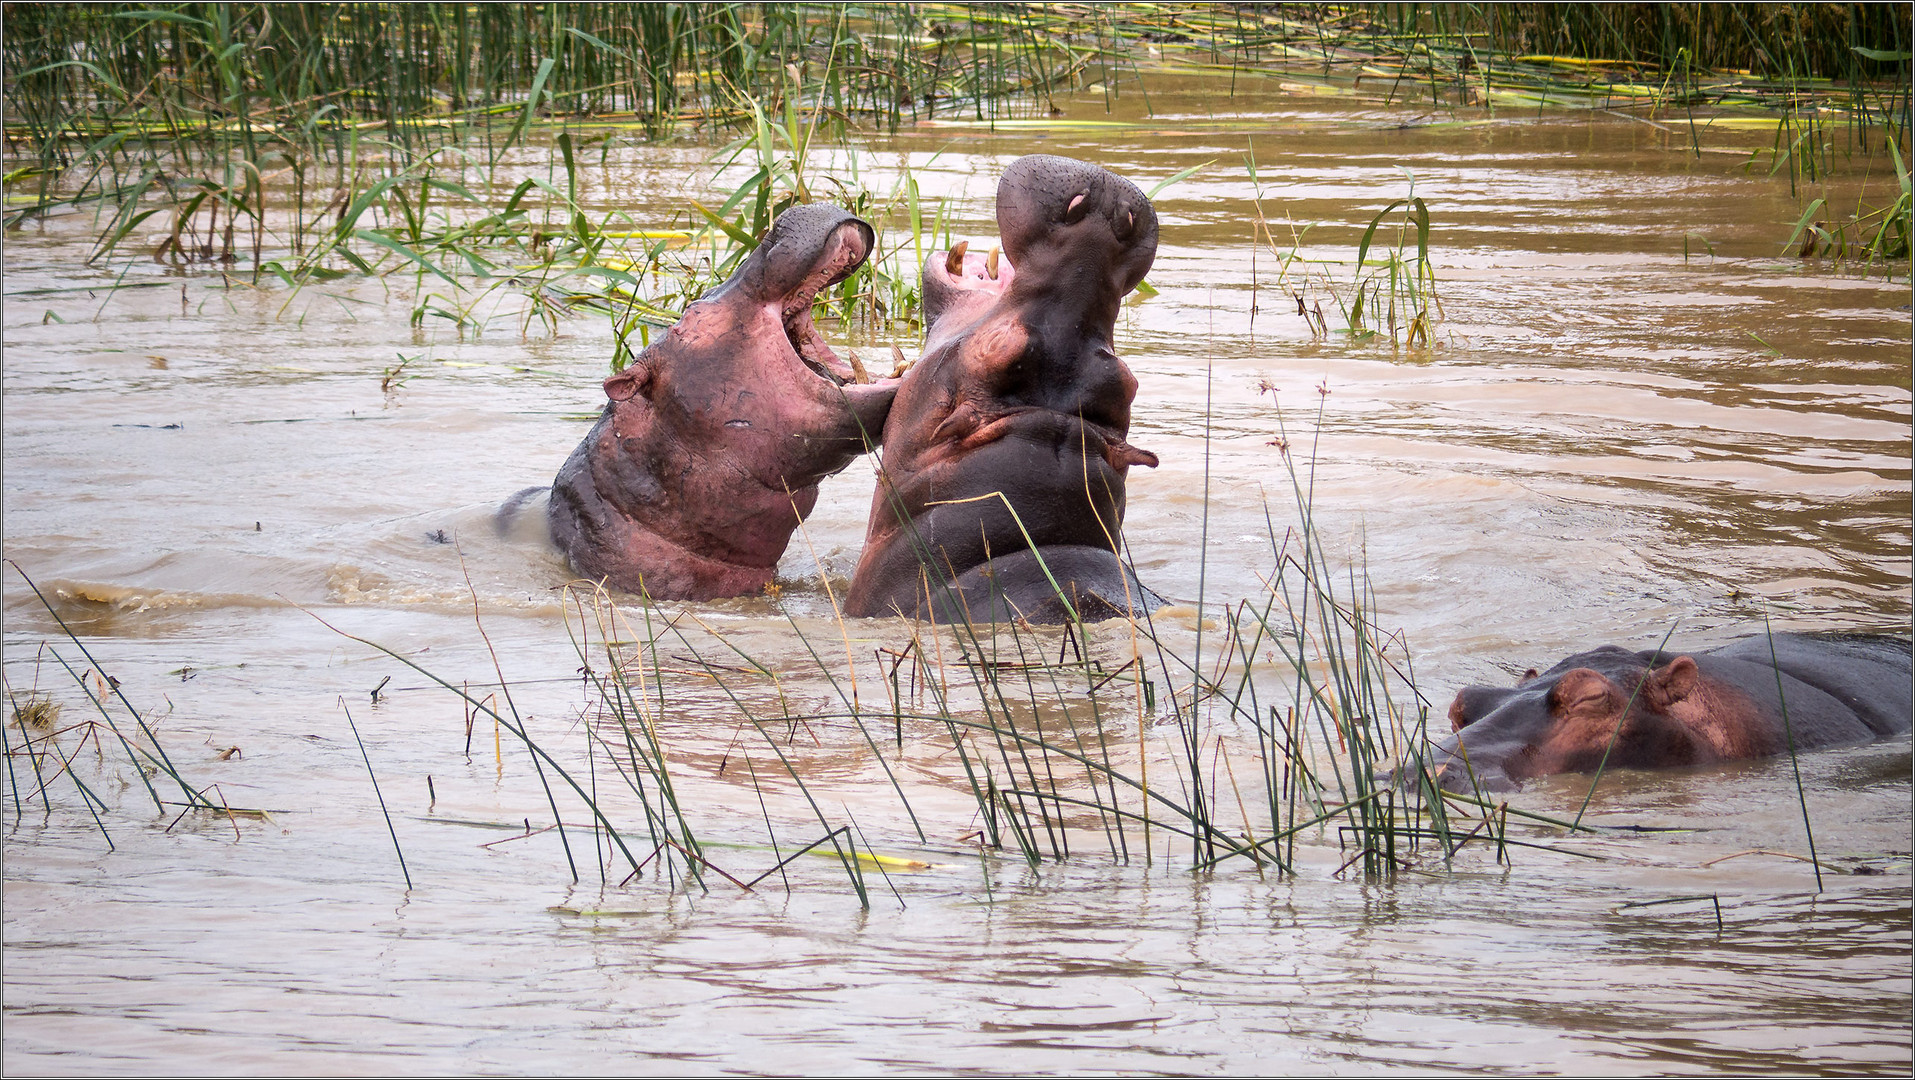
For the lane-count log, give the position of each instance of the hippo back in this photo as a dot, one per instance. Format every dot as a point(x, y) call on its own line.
point(1871, 675)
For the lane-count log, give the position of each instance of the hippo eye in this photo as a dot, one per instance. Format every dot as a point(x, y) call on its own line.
point(1075, 212)
point(1580, 690)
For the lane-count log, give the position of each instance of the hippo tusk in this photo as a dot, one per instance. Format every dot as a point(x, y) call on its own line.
point(954, 260)
point(858, 373)
point(990, 262)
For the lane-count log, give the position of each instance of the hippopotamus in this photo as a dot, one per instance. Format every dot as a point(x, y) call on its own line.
point(1019, 403)
point(1665, 708)
point(714, 439)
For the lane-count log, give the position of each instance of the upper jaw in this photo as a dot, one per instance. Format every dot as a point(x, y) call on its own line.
point(1452, 771)
point(808, 345)
point(844, 251)
point(964, 281)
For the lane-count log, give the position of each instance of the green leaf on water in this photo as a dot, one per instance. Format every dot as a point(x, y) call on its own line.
point(531, 107)
point(452, 188)
point(745, 239)
point(619, 276)
point(1369, 234)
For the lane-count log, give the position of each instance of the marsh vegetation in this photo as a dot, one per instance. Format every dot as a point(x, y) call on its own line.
point(1583, 326)
point(301, 143)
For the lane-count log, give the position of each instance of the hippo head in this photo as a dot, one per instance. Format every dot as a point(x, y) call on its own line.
point(1074, 228)
point(1081, 237)
point(1608, 708)
point(746, 377)
point(1010, 434)
point(715, 438)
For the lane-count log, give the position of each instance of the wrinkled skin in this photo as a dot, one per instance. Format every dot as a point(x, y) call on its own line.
point(1687, 708)
point(1020, 392)
point(714, 439)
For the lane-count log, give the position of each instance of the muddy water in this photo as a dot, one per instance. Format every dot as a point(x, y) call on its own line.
point(1608, 440)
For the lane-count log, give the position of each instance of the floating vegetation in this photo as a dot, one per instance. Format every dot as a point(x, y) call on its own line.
point(34, 711)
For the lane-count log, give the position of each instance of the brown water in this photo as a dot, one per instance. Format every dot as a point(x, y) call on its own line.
point(1609, 440)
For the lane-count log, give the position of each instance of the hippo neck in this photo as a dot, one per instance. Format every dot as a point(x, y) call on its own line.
point(681, 572)
point(1073, 308)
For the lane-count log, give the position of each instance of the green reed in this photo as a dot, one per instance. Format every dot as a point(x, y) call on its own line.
point(310, 141)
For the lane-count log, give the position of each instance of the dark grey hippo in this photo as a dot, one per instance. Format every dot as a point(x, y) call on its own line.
point(1664, 708)
point(1020, 403)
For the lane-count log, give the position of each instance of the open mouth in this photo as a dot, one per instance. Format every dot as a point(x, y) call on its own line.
point(962, 268)
point(844, 253)
point(961, 282)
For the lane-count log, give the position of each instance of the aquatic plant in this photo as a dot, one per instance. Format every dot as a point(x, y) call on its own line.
point(1235, 732)
point(221, 119)
point(36, 717)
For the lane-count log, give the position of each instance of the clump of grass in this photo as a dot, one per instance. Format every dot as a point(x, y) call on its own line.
point(38, 717)
point(1395, 294)
point(1283, 729)
point(1873, 236)
point(34, 711)
point(628, 665)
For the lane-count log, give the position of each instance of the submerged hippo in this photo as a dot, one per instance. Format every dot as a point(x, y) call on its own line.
point(1664, 709)
point(1020, 398)
point(714, 440)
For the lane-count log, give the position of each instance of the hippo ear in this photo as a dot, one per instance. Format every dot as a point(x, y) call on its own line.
point(1528, 676)
point(1473, 703)
point(1459, 718)
point(636, 379)
point(1674, 681)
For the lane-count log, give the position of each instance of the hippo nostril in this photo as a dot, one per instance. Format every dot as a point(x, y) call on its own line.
point(1076, 210)
point(738, 423)
point(954, 261)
